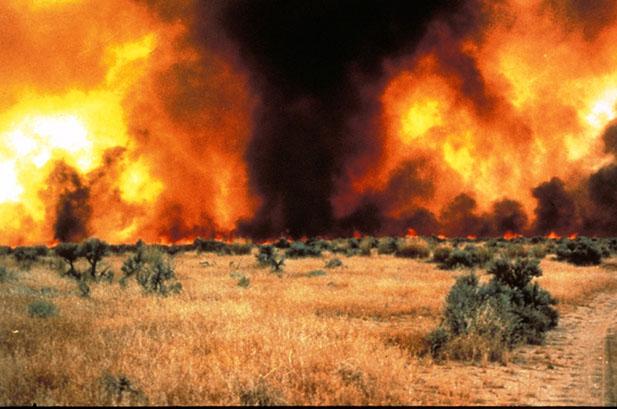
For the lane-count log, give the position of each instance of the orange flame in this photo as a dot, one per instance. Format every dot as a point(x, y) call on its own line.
point(411, 233)
point(553, 235)
point(510, 235)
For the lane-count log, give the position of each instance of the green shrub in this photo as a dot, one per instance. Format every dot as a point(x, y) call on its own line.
point(581, 251)
point(5, 275)
point(299, 249)
point(268, 256)
point(470, 256)
point(538, 251)
point(153, 272)
point(244, 282)
point(69, 252)
point(335, 262)
point(441, 254)
point(25, 257)
point(93, 250)
point(119, 390)
point(387, 245)
point(413, 248)
point(316, 273)
point(240, 249)
point(488, 320)
point(42, 309)
point(514, 251)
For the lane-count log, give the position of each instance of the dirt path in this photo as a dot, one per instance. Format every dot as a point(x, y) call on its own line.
point(568, 370)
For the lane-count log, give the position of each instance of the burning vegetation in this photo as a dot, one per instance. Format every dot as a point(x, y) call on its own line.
point(130, 119)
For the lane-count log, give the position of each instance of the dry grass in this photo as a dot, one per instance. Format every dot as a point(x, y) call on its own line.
point(352, 336)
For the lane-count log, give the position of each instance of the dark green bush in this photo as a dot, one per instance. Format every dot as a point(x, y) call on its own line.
point(299, 249)
point(153, 272)
point(268, 256)
point(316, 273)
point(441, 254)
point(69, 252)
point(42, 309)
point(413, 249)
point(487, 320)
point(581, 251)
point(244, 282)
point(387, 245)
point(332, 263)
point(93, 250)
point(470, 256)
point(5, 275)
point(25, 256)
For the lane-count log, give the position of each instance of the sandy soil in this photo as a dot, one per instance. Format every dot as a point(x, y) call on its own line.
point(568, 370)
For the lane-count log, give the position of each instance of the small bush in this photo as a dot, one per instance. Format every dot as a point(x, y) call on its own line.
point(316, 273)
point(268, 256)
point(5, 275)
point(299, 249)
point(441, 254)
point(335, 262)
point(485, 321)
point(470, 256)
point(240, 249)
point(413, 248)
point(260, 394)
point(93, 250)
point(387, 245)
point(121, 390)
point(244, 282)
point(69, 252)
point(42, 309)
point(581, 252)
point(153, 272)
point(25, 256)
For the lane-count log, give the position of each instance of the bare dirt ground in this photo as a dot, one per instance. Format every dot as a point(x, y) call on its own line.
point(568, 370)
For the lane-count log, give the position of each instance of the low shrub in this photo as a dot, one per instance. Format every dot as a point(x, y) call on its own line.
point(441, 254)
point(244, 282)
point(469, 257)
point(332, 263)
point(69, 252)
point(120, 390)
point(581, 251)
point(486, 321)
point(5, 275)
point(316, 273)
point(152, 271)
point(413, 248)
point(299, 249)
point(268, 256)
point(387, 245)
point(25, 257)
point(42, 309)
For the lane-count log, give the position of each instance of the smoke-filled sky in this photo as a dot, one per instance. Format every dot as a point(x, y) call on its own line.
point(165, 121)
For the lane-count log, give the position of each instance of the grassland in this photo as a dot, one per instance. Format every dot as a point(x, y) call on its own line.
point(354, 336)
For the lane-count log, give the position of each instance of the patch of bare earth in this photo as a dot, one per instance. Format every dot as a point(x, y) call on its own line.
point(570, 369)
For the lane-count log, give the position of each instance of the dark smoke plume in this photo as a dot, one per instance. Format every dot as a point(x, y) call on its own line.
point(509, 216)
point(305, 58)
point(72, 208)
point(459, 218)
point(556, 210)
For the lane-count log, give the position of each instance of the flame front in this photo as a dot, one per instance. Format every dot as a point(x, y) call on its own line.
point(83, 93)
point(503, 110)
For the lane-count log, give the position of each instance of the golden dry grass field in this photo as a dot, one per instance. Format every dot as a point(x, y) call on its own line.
point(353, 336)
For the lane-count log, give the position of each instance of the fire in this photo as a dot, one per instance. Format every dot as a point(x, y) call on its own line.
point(96, 103)
point(511, 235)
point(534, 110)
point(411, 233)
point(553, 235)
point(572, 236)
point(357, 234)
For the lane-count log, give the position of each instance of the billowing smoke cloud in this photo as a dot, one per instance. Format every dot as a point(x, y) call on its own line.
point(556, 210)
point(509, 216)
point(301, 140)
point(72, 208)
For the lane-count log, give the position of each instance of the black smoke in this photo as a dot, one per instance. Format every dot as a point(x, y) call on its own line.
point(305, 59)
point(556, 210)
point(73, 209)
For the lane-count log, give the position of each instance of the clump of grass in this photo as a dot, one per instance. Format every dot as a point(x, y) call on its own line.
point(268, 256)
point(244, 281)
point(42, 309)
